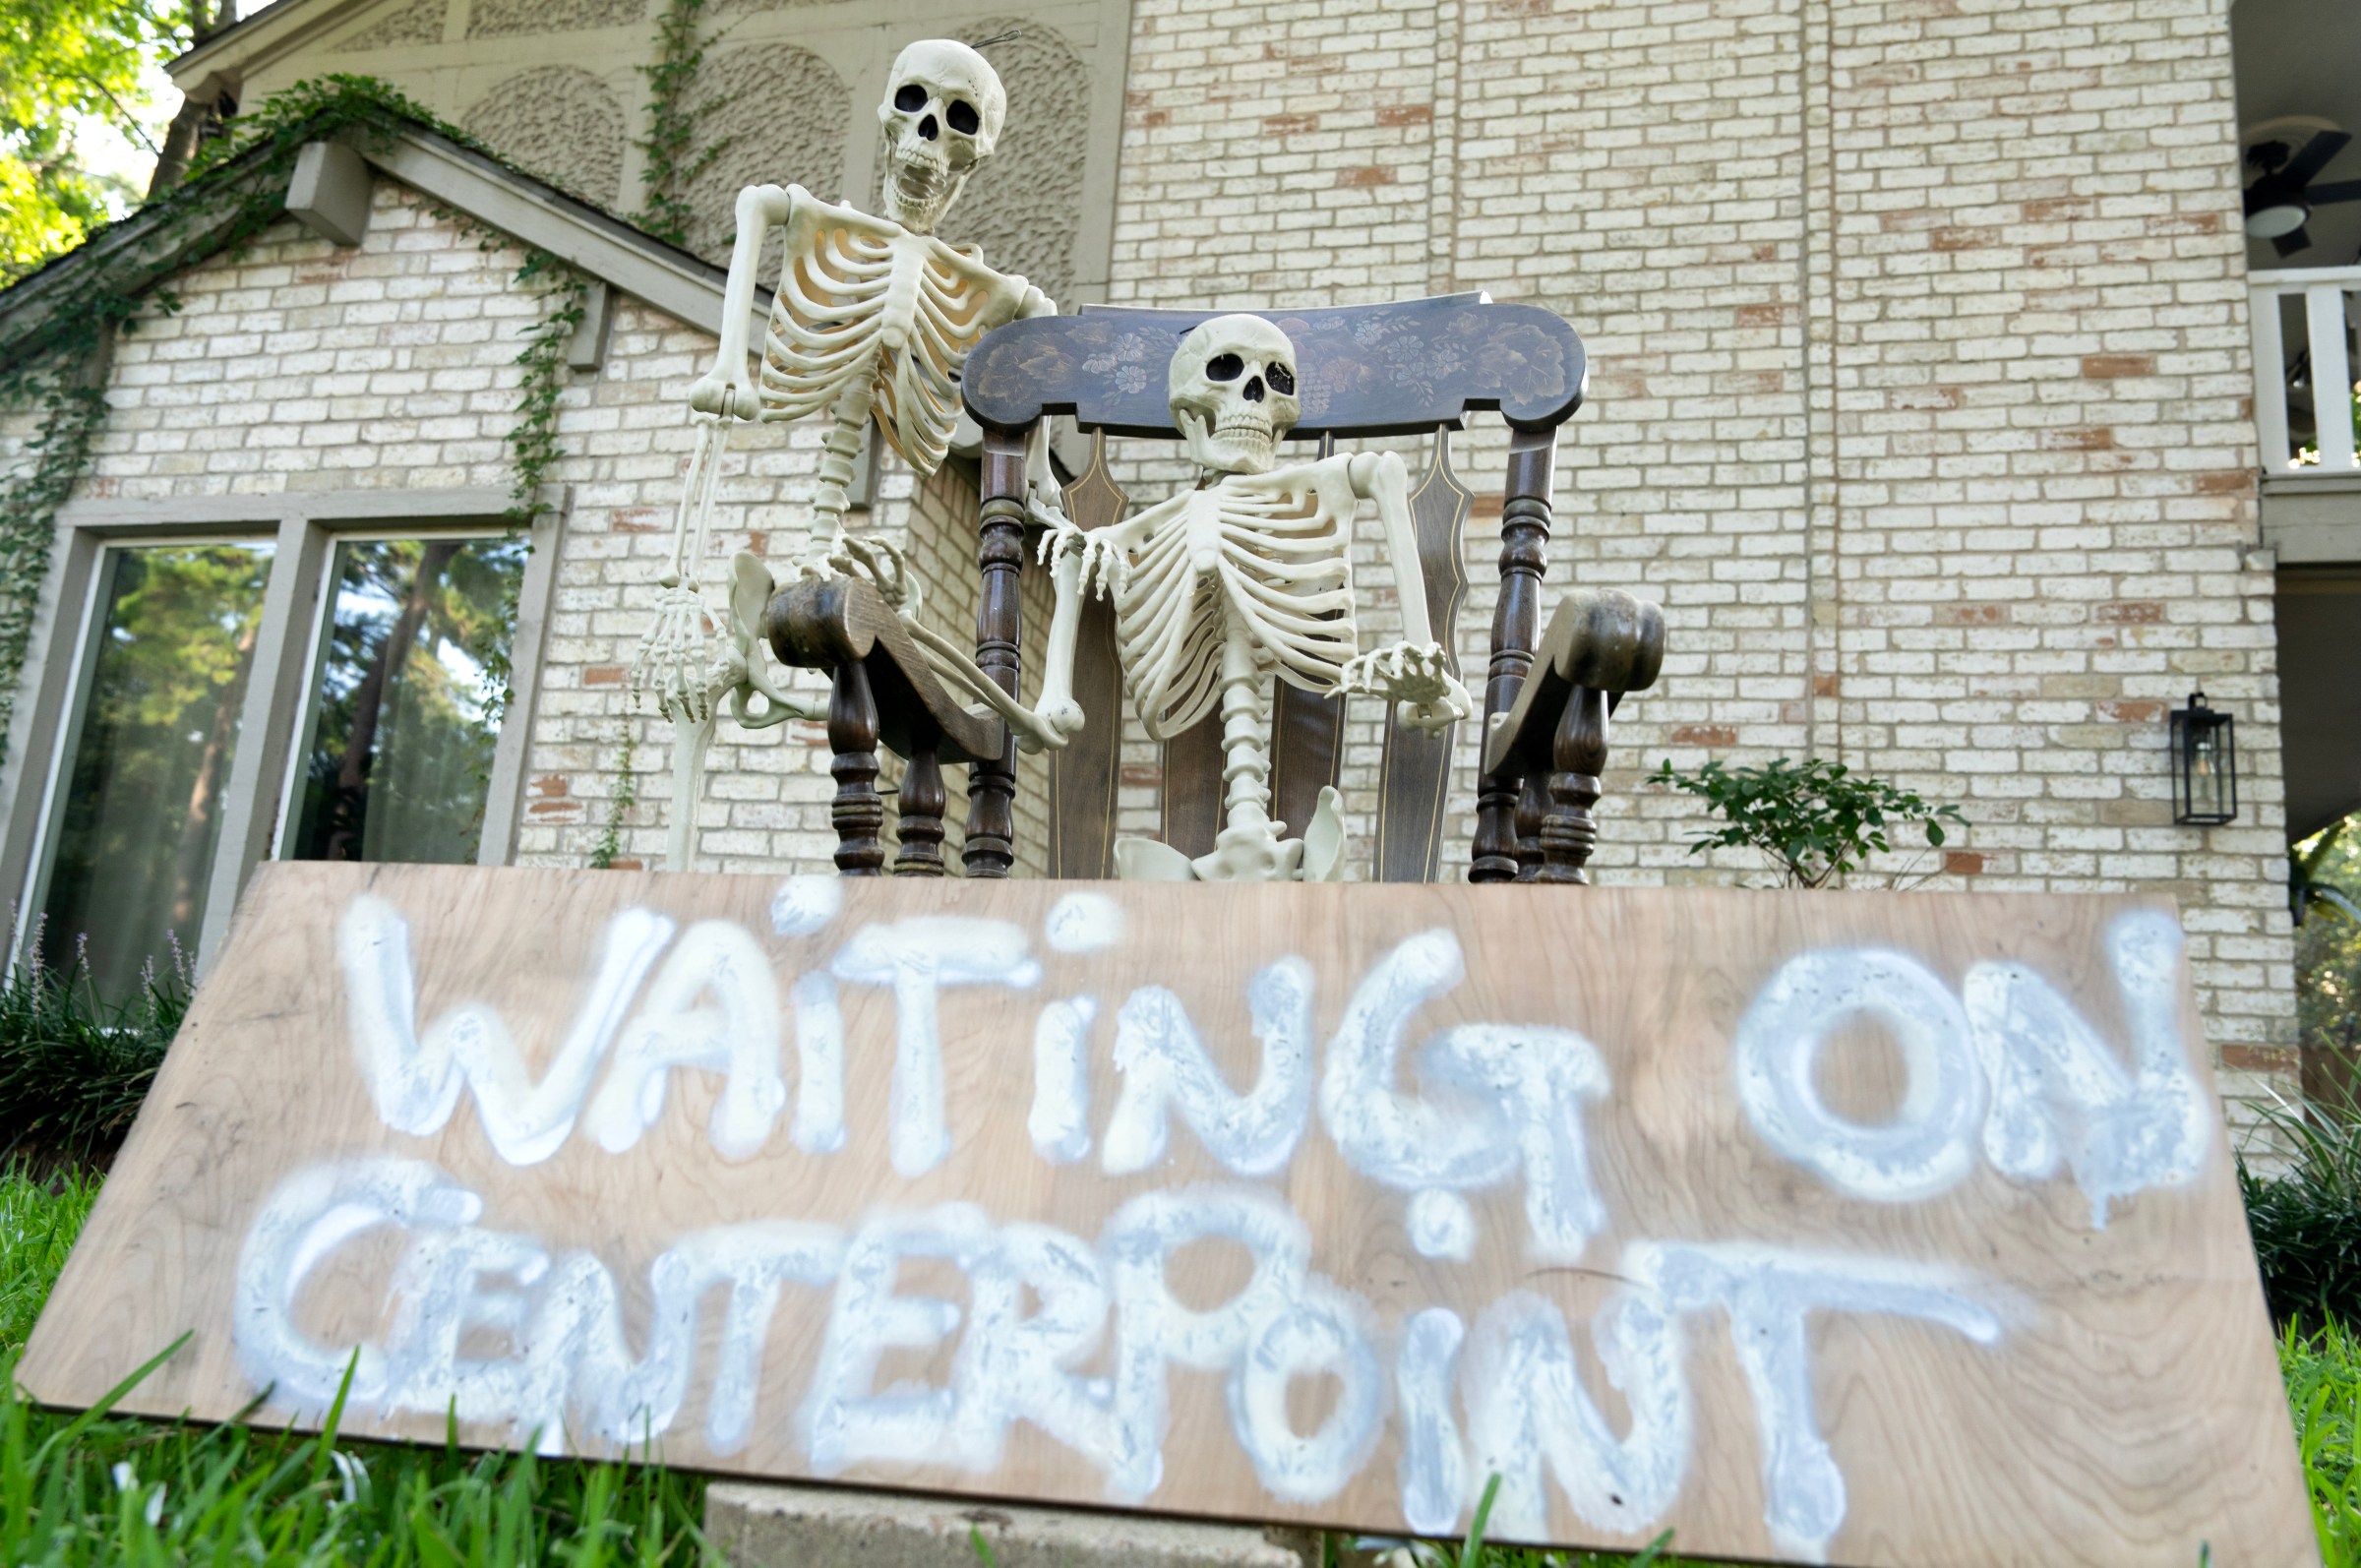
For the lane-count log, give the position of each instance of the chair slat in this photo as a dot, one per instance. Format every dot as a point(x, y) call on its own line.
point(1192, 787)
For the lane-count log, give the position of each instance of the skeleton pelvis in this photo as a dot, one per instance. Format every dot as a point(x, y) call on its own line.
point(1250, 853)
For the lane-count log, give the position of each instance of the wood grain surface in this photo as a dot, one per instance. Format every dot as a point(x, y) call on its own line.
point(2124, 1408)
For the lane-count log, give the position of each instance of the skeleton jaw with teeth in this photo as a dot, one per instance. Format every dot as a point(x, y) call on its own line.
point(1232, 397)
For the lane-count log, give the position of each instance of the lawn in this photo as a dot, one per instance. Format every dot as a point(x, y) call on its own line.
point(77, 1489)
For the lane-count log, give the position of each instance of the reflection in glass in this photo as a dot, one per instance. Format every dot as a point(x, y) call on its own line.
point(143, 784)
point(397, 759)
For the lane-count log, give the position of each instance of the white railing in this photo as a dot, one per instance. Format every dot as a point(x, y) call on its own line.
point(2328, 294)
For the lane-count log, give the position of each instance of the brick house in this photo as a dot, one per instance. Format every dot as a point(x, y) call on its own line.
point(1930, 357)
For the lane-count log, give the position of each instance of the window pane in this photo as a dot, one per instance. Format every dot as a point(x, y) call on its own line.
point(398, 757)
point(142, 784)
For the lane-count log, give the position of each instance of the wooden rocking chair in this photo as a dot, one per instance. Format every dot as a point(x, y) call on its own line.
point(1412, 368)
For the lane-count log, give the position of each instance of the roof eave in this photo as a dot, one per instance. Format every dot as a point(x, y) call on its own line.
point(682, 286)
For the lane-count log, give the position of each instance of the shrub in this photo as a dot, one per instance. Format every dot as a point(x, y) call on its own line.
point(74, 1066)
point(1816, 820)
point(2306, 1221)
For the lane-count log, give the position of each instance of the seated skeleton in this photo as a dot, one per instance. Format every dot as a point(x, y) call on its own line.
point(1248, 572)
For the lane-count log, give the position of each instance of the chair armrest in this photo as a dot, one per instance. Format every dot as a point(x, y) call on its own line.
point(827, 622)
point(1600, 640)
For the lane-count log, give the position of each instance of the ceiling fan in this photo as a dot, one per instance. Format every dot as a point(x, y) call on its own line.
point(2281, 201)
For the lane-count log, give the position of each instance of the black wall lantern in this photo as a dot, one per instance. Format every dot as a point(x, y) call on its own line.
point(2205, 766)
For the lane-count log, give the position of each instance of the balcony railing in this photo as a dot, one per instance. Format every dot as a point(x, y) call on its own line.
point(2308, 349)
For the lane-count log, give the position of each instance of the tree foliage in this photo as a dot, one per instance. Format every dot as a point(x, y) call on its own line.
point(1817, 820)
point(2325, 876)
point(64, 63)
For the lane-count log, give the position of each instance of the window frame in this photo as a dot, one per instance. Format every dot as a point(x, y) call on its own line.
point(314, 652)
point(33, 886)
point(304, 529)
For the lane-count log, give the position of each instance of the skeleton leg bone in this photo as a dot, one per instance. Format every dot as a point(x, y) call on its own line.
point(689, 738)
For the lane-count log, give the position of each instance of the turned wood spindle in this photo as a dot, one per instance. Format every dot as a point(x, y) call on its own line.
point(1533, 800)
point(1577, 755)
point(1524, 557)
point(922, 801)
point(859, 810)
point(1001, 552)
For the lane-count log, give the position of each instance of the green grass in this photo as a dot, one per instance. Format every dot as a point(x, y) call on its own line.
point(2322, 1369)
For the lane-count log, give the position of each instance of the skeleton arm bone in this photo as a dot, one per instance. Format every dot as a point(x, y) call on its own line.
point(1381, 476)
point(1071, 554)
point(730, 390)
point(1415, 671)
point(1042, 729)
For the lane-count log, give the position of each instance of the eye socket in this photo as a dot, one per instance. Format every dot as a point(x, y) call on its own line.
point(1224, 366)
point(1282, 378)
point(911, 98)
point(962, 117)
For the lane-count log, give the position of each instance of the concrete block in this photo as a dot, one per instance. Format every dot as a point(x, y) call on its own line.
point(810, 1527)
point(329, 191)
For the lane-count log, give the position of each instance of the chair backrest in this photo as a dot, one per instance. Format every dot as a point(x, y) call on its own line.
point(1418, 367)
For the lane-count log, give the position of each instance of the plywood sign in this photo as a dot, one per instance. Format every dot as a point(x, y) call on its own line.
point(1892, 1228)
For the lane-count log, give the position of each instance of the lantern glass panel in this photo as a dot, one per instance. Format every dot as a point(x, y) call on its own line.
point(2204, 766)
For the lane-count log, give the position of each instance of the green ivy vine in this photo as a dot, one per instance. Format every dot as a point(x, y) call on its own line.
point(626, 795)
point(533, 449)
point(59, 454)
point(674, 160)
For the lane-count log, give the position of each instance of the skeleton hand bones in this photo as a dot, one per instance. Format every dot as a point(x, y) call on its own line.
point(1414, 675)
point(681, 664)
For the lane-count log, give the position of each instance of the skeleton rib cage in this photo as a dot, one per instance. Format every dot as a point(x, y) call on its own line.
point(862, 303)
point(1271, 553)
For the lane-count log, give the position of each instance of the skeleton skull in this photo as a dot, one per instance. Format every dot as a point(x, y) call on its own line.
point(943, 112)
point(1233, 393)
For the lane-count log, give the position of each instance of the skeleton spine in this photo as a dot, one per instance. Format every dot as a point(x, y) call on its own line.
point(839, 446)
point(1246, 769)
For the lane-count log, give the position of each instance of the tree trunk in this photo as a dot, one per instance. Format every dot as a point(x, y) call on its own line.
point(192, 863)
point(197, 119)
point(369, 701)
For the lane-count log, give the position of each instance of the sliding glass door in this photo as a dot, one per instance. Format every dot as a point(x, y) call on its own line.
point(388, 730)
point(172, 649)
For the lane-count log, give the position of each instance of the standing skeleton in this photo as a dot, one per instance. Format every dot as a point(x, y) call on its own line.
point(873, 317)
point(1251, 570)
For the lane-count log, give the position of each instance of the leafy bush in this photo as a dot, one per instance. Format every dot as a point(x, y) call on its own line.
point(1816, 820)
point(74, 1067)
point(2307, 1221)
point(2323, 893)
